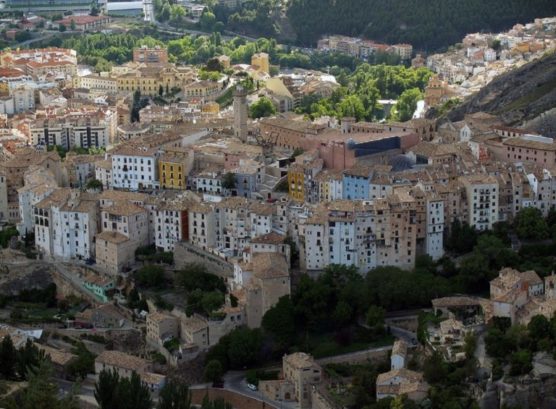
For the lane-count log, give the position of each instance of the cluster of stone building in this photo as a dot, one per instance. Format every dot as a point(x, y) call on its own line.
point(482, 57)
point(362, 48)
point(364, 194)
point(237, 194)
point(51, 77)
point(517, 296)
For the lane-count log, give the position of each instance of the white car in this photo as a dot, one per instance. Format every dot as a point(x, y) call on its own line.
point(251, 386)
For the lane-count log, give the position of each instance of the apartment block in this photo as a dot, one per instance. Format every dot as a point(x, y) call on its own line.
point(174, 167)
point(482, 200)
point(66, 224)
point(135, 167)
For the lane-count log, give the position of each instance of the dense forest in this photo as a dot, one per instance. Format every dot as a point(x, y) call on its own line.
point(427, 24)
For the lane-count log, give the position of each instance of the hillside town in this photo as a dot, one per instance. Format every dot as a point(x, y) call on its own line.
point(154, 228)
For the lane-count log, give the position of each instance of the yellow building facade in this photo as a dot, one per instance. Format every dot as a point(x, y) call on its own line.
point(173, 169)
point(296, 183)
point(261, 61)
point(149, 80)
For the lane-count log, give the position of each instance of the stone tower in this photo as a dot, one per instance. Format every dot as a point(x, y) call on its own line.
point(240, 113)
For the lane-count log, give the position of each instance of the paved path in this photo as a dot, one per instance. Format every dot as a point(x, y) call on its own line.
point(235, 382)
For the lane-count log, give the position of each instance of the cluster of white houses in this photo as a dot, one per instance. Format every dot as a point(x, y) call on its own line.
point(390, 218)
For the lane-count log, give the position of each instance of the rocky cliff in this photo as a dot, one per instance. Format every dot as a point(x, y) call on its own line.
point(529, 393)
point(18, 273)
point(525, 95)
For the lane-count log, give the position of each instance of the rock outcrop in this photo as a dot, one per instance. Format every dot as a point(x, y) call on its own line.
point(519, 96)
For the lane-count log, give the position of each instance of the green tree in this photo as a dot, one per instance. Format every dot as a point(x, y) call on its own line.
point(352, 107)
point(84, 364)
point(106, 388)
point(229, 180)
point(22, 36)
point(530, 225)
point(214, 65)
point(279, 321)
point(29, 358)
point(94, 184)
point(113, 392)
point(150, 276)
point(425, 263)
point(521, 362)
point(62, 28)
point(204, 302)
point(8, 358)
point(207, 21)
point(174, 395)
point(470, 345)
point(213, 371)
point(133, 394)
point(434, 369)
point(342, 314)
point(195, 276)
point(497, 344)
point(42, 392)
point(72, 25)
point(407, 104)
point(244, 347)
point(375, 318)
point(539, 328)
point(263, 107)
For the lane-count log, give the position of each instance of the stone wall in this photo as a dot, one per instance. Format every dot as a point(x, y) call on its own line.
point(374, 355)
point(237, 400)
point(185, 253)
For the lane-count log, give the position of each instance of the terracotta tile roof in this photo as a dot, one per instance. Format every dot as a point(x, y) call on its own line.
point(261, 208)
point(529, 144)
point(270, 238)
point(122, 195)
point(300, 360)
point(457, 301)
point(112, 237)
point(406, 374)
point(233, 203)
point(122, 360)
point(269, 265)
point(122, 208)
point(57, 198)
point(57, 356)
point(159, 317)
point(195, 324)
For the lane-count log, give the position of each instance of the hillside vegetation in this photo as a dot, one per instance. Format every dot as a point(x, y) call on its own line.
point(427, 24)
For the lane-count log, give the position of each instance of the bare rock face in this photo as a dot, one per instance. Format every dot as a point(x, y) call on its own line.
point(525, 393)
point(14, 279)
point(517, 96)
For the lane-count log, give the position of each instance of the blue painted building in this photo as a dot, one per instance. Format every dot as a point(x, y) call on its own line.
point(248, 178)
point(355, 184)
point(99, 287)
